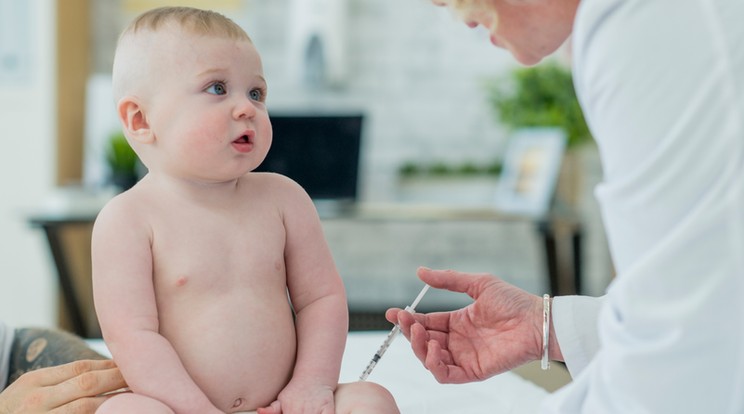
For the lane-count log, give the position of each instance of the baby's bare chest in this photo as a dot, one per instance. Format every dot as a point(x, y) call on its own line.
point(218, 252)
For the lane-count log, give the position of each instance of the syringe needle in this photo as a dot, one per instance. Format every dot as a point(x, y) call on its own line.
point(390, 337)
point(418, 298)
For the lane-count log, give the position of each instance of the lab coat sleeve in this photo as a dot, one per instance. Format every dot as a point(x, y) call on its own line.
point(661, 83)
point(575, 323)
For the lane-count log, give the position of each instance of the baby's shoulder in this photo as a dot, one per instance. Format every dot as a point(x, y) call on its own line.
point(277, 189)
point(123, 209)
point(272, 183)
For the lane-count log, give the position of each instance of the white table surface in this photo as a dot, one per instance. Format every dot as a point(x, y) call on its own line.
point(416, 390)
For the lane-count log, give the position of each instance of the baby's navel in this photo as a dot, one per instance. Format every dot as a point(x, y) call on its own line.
point(237, 403)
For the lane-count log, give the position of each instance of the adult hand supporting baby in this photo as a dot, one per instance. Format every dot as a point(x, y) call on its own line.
point(71, 388)
point(500, 330)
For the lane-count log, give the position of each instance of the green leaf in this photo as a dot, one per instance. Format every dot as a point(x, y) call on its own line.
point(541, 95)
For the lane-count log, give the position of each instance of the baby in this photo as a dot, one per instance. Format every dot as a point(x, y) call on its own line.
point(214, 287)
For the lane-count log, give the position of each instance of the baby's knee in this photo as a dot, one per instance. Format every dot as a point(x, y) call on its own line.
point(364, 397)
point(128, 403)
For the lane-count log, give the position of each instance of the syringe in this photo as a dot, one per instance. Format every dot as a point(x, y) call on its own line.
point(390, 337)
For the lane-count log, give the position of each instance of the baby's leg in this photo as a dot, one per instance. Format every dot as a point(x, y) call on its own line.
point(364, 398)
point(128, 403)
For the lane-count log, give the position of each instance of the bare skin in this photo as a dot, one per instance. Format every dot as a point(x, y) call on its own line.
point(73, 388)
point(529, 29)
point(500, 330)
point(209, 286)
point(195, 267)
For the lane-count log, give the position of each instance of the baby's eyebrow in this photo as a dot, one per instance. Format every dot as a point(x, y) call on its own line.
point(263, 82)
point(211, 71)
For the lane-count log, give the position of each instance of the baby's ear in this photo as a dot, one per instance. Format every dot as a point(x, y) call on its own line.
point(133, 120)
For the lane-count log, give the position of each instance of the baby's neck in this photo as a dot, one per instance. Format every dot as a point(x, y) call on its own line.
point(199, 192)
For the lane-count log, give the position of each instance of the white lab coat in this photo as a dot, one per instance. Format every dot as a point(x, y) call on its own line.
point(662, 86)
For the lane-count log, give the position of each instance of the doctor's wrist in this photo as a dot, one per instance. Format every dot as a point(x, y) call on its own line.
point(554, 347)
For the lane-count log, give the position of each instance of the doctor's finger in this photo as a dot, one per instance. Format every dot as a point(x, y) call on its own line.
point(470, 283)
point(439, 364)
point(392, 315)
point(420, 343)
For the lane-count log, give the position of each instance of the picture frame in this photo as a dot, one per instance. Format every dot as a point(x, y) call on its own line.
point(531, 166)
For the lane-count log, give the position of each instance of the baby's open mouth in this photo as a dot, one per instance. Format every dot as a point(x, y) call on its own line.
point(243, 144)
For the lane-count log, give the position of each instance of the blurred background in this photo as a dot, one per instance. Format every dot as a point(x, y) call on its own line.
point(416, 91)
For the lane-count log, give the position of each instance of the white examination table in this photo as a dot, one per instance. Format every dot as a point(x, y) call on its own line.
point(417, 392)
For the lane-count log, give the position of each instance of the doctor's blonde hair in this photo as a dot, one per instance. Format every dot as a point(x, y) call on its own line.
point(461, 8)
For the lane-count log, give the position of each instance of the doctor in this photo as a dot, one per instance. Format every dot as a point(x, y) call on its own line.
point(661, 83)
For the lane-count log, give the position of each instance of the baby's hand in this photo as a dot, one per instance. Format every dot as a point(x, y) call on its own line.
point(302, 399)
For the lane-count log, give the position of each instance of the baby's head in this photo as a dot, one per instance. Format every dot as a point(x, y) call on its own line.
point(136, 51)
point(189, 77)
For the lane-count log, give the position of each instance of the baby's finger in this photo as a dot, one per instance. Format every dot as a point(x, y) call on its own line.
point(273, 408)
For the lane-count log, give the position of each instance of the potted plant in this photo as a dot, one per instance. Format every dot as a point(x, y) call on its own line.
point(122, 162)
point(540, 96)
point(464, 183)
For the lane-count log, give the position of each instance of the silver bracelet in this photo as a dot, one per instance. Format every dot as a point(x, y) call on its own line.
point(545, 363)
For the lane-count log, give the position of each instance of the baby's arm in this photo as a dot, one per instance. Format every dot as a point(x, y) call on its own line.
point(319, 300)
point(125, 304)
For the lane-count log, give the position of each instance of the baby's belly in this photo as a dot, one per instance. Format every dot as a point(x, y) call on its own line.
point(239, 350)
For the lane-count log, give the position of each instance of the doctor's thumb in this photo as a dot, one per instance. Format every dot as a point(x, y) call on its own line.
point(454, 281)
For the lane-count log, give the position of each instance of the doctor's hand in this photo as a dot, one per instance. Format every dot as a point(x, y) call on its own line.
point(70, 388)
point(500, 330)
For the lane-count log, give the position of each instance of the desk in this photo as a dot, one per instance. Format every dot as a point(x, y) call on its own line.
point(53, 226)
point(560, 228)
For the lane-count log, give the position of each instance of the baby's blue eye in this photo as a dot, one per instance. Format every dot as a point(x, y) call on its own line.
point(217, 88)
point(256, 94)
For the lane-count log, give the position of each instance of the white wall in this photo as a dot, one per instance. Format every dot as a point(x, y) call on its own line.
point(27, 168)
point(412, 68)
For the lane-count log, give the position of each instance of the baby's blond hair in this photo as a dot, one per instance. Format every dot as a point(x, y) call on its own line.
point(196, 21)
point(130, 69)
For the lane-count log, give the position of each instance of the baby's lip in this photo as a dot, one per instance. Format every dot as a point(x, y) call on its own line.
point(245, 138)
point(244, 143)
